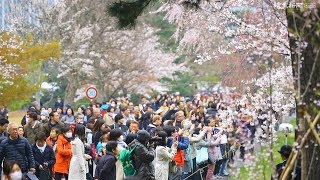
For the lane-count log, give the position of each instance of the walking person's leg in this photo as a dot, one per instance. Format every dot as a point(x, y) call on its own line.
point(58, 176)
point(66, 176)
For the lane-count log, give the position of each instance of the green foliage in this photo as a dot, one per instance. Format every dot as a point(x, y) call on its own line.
point(127, 11)
point(136, 98)
point(165, 32)
point(18, 104)
point(26, 55)
point(181, 59)
point(83, 101)
point(181, 82)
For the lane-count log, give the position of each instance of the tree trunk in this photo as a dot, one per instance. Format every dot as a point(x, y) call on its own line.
point(71, 89)
point(101, 91)
point(304, 27)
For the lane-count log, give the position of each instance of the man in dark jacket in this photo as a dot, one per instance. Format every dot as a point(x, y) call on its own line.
point(142, 156)
point(58, 103)
point(118, 123)
point(285, 152)
point(18, 149)
point(54, 122)
point(4, 112)
point(96, 116)
point(32, 127)
point(106, 168)
point(3, 128)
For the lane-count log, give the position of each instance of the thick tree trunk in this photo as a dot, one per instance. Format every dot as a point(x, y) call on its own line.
point(71, 89)
point(101, 92)
point(304, 27)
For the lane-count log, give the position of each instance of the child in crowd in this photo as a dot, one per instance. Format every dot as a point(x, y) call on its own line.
point(52, 139)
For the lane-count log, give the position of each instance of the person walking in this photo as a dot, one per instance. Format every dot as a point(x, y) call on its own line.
point(63, 153)
point(11, 171)
point(77, 169)
point(106, 168)
point(54, 122)
point(18, 149)
point(44, 157)
point(32, 127)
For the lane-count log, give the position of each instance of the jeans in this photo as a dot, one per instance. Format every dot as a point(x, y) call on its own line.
point(217, 167)
point(194, 169)
point(223, 167)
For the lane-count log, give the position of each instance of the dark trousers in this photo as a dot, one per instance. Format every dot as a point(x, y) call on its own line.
point(242, 152)
point(217, 167)
point(58, 176)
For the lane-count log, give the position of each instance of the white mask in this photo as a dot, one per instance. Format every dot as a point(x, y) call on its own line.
point(121, 138)
point(104, 144)
point(69, 134)
point(16, 175)
point(43, 117)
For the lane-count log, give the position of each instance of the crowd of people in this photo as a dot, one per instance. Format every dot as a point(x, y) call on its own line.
point(165, 137)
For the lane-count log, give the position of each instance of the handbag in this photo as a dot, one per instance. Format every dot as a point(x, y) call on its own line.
point(173, 168)
point(202, 155)
point(45, 173)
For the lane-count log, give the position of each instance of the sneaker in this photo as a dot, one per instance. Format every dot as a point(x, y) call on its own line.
point(217, 177)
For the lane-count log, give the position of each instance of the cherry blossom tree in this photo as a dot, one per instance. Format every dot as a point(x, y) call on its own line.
point(97, 53)
point(259, 31)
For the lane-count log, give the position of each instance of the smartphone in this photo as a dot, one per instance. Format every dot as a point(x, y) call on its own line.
point(175, 138)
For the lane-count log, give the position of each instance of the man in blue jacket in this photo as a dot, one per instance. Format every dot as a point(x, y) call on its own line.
point(176, 134)
point(17, 148)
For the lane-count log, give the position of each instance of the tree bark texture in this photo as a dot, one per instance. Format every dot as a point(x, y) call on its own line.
point(304, 29)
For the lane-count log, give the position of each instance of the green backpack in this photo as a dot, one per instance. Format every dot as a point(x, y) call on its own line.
point(127, 164)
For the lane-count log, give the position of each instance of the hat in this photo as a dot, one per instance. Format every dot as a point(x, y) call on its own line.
point(118, 117)
point(285, 150)
point(67, 105)
point(45, 113)
point(143, 136)
point(105, 107)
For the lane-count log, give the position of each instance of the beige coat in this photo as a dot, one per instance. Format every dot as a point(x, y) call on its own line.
point(77, 169)
point(119, 168)
point(164, 155)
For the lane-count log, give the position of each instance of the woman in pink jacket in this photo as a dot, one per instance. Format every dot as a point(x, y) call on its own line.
point(213, 153)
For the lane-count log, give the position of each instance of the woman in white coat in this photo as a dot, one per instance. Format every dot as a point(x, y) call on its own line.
point(164, 156)
point(77, 169)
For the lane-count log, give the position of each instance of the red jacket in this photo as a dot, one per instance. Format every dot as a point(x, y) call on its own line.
point(179, 158)
point(63, 155)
